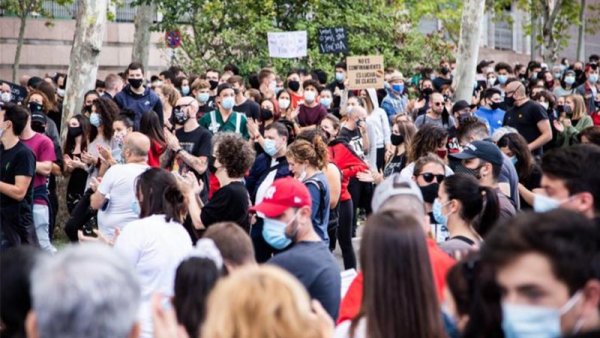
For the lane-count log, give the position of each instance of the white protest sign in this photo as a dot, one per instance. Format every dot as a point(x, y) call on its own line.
point(287, 44)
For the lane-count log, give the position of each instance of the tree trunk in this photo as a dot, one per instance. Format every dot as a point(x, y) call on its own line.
point(141, 39)
point(468, 48)
point(551, 10)
point(15, 67)
point(581, 32)
point(85, 52)
point(534, 27)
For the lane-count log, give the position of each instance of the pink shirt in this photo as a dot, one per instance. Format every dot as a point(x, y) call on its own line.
point(43, 149)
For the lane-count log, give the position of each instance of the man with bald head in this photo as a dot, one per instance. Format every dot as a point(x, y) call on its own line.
point(191, 143)
point(528, 117)
point(115, 191)
point(434, 114)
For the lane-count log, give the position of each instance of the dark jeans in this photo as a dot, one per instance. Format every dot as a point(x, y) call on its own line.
point(81, 215)
point(362, 193)
point(343, 233)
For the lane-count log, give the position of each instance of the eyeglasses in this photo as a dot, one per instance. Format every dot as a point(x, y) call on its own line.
point(428, 177)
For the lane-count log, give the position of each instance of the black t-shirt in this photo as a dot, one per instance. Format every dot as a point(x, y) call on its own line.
point(525, 119)
point(197, 142)
point(250, 108)
point(316, 269)
point(16, 217)
point(354, 140)
point(396, 164)
point(228, 204)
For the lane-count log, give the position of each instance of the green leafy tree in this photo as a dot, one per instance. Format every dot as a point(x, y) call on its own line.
point(216, 32)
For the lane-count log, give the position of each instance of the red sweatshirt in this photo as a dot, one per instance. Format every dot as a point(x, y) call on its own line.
point(348, 162)
point(440, 264)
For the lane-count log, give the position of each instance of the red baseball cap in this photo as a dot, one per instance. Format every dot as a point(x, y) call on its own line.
point(285, 193)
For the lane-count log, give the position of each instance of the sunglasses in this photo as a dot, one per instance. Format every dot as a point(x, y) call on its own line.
point(438, 103)
point(428, 177)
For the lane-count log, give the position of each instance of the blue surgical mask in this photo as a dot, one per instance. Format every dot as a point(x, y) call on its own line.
point(514, 160)
point(185, 90)
point(439, 217)
point(593, 78)
point(526, 321)
point(270, 147)
point(543, 203)
point(339, 77)
point(309, 96)
point(135, 207)
point(274, 233)
point(95, 120)
point(203, 97)
point(228, 103)
point(569, 80)
point(398, 87)
point(557, 75)
point(502, 79)
point(326, 102)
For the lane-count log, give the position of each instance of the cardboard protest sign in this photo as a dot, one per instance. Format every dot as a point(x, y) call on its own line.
point(287, 44)
point(365, 71)
point(333, 40)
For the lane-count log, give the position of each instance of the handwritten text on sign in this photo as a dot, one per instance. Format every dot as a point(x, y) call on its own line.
point(287, 44)
point(333, 40)
point(365, 71)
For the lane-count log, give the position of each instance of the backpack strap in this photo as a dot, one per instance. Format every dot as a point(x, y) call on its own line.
point(321, 195)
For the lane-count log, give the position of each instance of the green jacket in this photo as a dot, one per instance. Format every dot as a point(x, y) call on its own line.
point(569, 135)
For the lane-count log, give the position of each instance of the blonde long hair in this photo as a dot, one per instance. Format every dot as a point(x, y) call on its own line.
point(259, 301)
point(579, 111)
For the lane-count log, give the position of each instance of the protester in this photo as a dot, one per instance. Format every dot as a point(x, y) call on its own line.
point(17, 176)
point(65, 289)
point(259, 291)
point(136, 97)
point(428, 139)
point(403, 131)
point(195, 277)
point(233, 243)
point(468, 210)
point(113, 85)
point(529, 118)
point(568, 126)
point(225, 118)
point(310, 112)
point(242, 104)
point(151, 127)
point(76, 143)
point(396, 100)
point(438, 114)
point(287, 220)
point(591, 86)
point(114, 195)
point(542, 264)
point(269, 166)
point(156, 243)
point(233, 157)
point(491, 109)
point(392, 287)
point(169, 96)
point(590, 135)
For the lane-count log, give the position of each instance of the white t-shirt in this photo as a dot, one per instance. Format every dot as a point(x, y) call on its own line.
point(156, 248)
point(118, 185)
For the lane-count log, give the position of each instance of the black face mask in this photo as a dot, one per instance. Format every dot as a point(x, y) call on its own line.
point(510, 102)
point(427, 91)
point(211, 164)
point(266, 114)
point(462, 169)
point(179, 116)
point(135, 83)
point(294, 85)
point(397, 139)
point(75, 131)
point(597, 103)
point(35, 107)
point(430, 192)
point(445, 70)
point(495, 105)
point(213, 84)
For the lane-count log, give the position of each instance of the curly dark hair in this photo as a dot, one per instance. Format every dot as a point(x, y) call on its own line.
point(234, 153)
point(108, 111)
point(427, 140)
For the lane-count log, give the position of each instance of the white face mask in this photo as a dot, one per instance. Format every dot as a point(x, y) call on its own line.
point(284, 103)
point(6, 97)
point(545, 105)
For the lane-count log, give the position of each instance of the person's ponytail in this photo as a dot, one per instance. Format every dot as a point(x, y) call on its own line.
point(322, 154)
point(174, 204)
point(490, 211)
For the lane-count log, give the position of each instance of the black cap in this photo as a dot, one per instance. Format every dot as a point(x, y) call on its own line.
point(460, 105)
point(484, 150)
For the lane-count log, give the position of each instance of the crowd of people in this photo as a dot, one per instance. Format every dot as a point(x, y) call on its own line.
point(210, 205)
